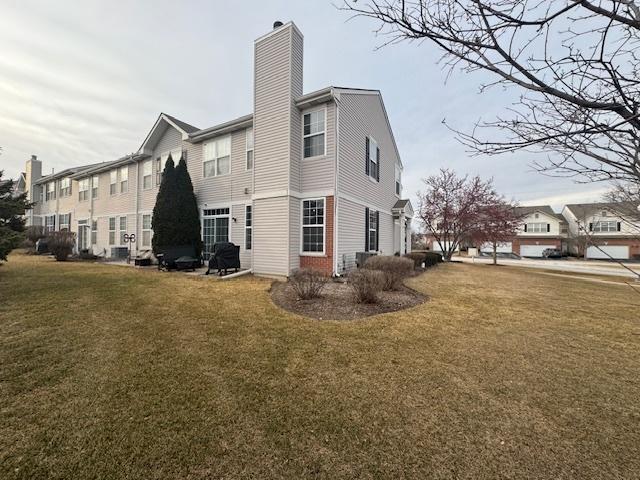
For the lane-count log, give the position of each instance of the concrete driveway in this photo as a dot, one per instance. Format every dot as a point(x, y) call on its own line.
point(593, 267)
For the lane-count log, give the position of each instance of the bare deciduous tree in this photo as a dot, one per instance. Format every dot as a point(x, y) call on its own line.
point(500, 224)
point(453, 209)
point(576, 63)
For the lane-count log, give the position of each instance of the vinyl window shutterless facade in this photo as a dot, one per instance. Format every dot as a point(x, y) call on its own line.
point(50, 223)
point(313, 226)
point(83, 189)
point(64, 221)
point(373, 231)
point(95, 183)
point(313, 133)
point(124, 179)
point(50, 191)
point(113, 182)
point(161, 161)
point(217, 157)
point(147, 172)
point(65, 187)
point(112, 230)
point(249, 149)
point(146, 230)
point(94, 232)
point(123, 229)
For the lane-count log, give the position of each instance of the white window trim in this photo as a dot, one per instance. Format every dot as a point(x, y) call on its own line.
point(120, 170)
point(115, 230)
point(599, 223)
point(324, 229)
point(248, 227)
point(398, 172)
point(247, 150)
point(312, 110)
point(215, 159)
point(224, 215)
point(86, 188)
point(376, 214)
point(119, 225)
point(371, 178)
point(116, 183)
point(150, 230)
point(544, 227)
point(150, 162)
point(93, 231)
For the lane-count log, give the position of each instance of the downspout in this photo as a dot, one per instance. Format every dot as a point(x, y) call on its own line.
point(335, 188)
point(137, 199)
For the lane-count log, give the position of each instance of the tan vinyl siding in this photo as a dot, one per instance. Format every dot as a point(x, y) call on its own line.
point(237, 234)
point(294, 232)
point(270, 234)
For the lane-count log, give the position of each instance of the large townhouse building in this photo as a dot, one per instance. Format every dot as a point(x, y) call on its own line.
point(541, 228)
point(307, 180)
point(604, 230)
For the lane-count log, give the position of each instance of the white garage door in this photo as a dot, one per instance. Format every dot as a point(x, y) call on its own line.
point(614, 251)
point(500, 248)
point(533, 250)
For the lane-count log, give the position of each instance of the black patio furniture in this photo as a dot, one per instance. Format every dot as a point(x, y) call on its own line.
point(225, 256)
point(182, 257)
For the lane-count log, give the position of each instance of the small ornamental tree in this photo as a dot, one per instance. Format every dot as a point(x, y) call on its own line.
point(451, 208)
point(12, 210)
point(163, 221)
point(499, 224)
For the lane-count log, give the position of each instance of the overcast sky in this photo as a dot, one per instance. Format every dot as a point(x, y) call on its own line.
point(83, 82)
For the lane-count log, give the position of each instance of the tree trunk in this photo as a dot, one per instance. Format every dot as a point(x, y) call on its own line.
point(495, 251)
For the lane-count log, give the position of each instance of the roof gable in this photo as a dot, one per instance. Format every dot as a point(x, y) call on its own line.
point(163, 122)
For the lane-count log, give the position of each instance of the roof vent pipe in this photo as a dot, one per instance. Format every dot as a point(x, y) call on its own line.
point(277, 24)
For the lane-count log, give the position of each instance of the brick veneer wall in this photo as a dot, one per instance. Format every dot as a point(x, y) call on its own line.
point(324, 262)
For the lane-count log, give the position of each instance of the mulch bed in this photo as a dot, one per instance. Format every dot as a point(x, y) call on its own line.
point(337, 302)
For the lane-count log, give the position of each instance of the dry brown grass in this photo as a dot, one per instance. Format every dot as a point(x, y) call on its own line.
point(107, 372)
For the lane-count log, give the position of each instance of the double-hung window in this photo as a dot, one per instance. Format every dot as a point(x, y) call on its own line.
point(147, 174)
point(51, 191)
point(65, 187)
point(605, 226)
point(64, 221)
point(372, 159)
point(94, 232)
point(313, 225)
point(398, 181)
point(124, 179)
point(123, 229)
point(215, 228)
point(217, 157)
point(537, 227)
point(249, 152)
point(146, 230)
point(83, 189)
point(372, 221)
point(313, 133)
point(50, 223)
point(113, 182)
point(95, 183)
point(161, 162)
point(248, 227)
point(112, 230)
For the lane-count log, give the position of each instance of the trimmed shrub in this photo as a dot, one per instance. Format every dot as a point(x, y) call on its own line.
point(308, 283)
point(417, 258)
point(61, 244)
point(394, 269)
point(432, 258)
point(365, 284)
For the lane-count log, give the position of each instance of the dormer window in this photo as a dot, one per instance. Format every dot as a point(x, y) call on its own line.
point(313, 133)
point(604, 214)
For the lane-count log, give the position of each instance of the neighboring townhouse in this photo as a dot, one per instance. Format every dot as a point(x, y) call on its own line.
point(307, 180)
point(604, 230)
point(541, 229)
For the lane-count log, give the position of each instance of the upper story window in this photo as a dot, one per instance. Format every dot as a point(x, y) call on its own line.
point(113, 182)
point(249, 155)
point(124, 179)
point(50, 191)
point(313, 225)
point(398, 182)
point(95, 183)
point(537, 227)
point(313, 133)
point(161, 162)
point(372, 159)
point(83, 189)
point(605, 226)
point(65, 187)
point(217, 157)
point(147, 174)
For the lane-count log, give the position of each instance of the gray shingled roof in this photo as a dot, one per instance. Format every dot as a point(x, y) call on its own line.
point(581, 210)
point(183, 125)
point(64, 173)
point(523, 211)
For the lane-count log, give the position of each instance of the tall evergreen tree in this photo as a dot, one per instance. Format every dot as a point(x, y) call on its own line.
point(12, 210)
point(186, 207)
point(176, 220)
point(163, 221)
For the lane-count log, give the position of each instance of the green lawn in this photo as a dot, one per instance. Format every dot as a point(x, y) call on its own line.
point(107, 372)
